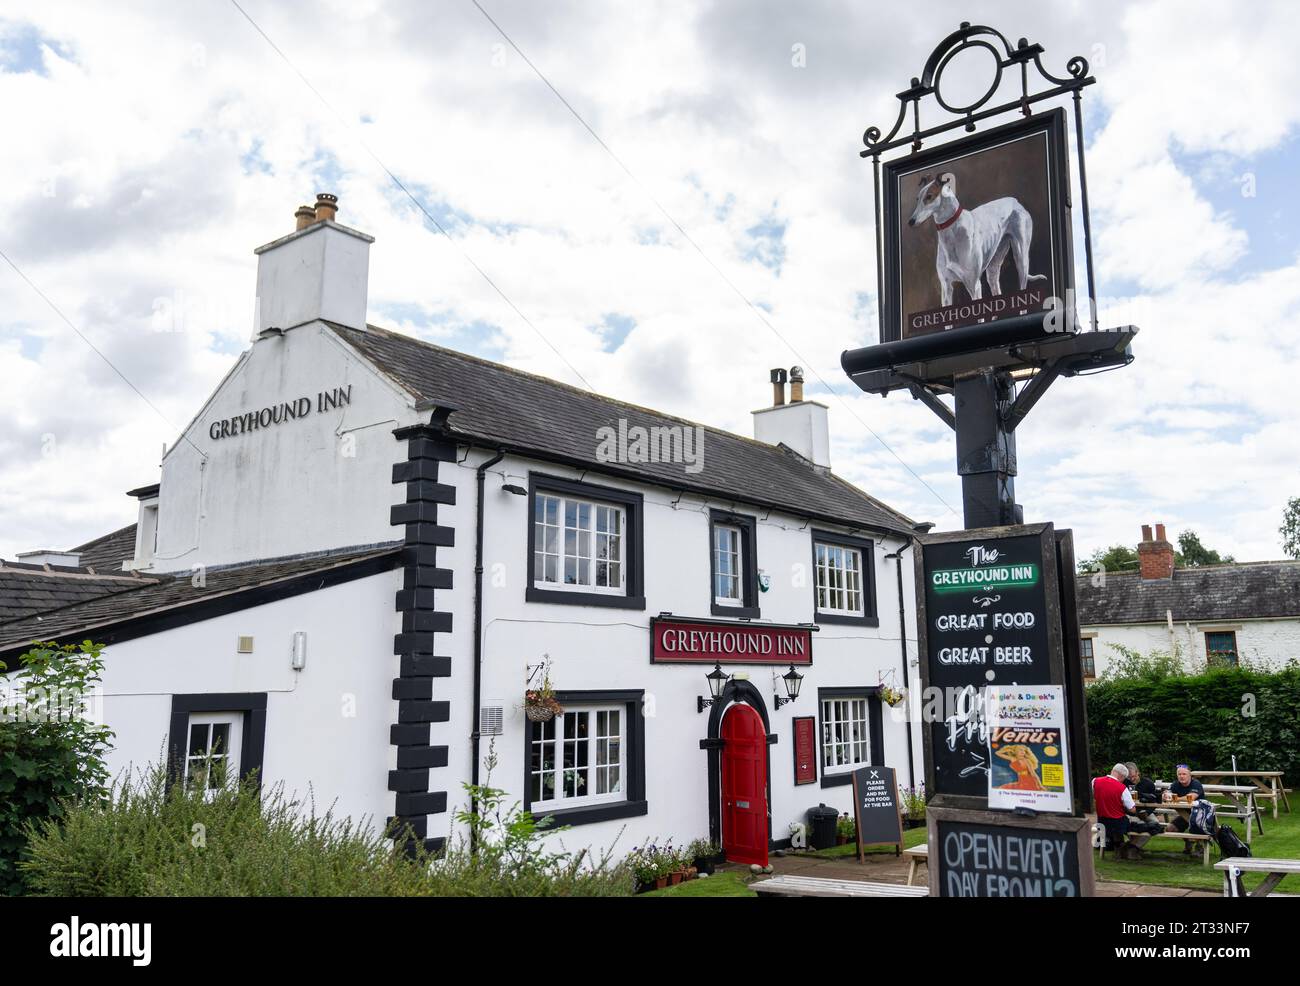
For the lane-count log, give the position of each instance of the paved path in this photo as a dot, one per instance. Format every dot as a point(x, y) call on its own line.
point(887, 868)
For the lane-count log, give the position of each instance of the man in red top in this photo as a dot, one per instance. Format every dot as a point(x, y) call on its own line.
point(1114, 806)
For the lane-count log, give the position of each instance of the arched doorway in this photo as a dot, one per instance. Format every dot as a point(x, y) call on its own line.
point(744, 786)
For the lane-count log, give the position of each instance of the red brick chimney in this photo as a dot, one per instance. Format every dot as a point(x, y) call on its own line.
point(1155, 555)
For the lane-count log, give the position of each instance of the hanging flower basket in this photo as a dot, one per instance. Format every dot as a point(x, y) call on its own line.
point(891, 696)
point(540, 704)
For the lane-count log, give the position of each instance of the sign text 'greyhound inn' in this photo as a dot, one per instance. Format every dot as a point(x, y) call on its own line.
point(685, 641)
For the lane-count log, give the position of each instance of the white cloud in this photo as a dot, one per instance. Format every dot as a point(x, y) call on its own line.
point(161, 143)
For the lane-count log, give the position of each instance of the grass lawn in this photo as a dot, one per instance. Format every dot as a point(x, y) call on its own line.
point(1165, 864)
point(727, 883)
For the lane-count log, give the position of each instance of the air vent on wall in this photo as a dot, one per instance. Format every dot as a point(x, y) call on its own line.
point(245, 645)
point(491, 719)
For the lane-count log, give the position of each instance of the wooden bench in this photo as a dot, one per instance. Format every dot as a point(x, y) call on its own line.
point(815, 886)
point(1276, 870)
point(915, 857)
point(1140, 839)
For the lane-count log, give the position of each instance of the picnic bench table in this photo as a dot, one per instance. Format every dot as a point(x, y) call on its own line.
point(788, 885)
point(1276, 870)
point(1268, 783)
point(915, 857)
point(1242, 796)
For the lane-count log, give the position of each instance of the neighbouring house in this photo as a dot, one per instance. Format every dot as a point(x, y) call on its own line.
point(1248, 611)
point(365, 548)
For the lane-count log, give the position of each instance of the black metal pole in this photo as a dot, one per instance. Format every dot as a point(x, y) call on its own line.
point(986, 450)
point(474, 735)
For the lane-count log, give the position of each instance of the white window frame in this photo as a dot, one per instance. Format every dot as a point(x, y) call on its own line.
point(737, 551)
point(828, 550)
point(235, 720)
point(560, 554)
point(593, 764)
point(856, 741)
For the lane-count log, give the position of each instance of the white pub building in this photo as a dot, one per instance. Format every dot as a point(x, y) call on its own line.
point(364, 549)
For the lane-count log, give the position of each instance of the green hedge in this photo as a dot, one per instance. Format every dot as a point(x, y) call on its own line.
point(1157, 719)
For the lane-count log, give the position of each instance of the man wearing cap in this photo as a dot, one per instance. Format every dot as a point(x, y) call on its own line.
point(1114, 806)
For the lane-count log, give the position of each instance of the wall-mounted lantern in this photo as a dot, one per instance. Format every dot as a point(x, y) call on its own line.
point(717, 679)
point(793, 682)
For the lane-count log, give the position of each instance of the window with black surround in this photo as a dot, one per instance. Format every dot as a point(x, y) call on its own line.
point(851, 733)
point(1087, 658)
point(584, 544)
point(212, 733)
point(844, 581)
point(587, 764)
point(733, 564)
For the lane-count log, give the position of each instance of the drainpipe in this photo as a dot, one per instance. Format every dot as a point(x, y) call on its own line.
point(902, 649)
point(474, 737)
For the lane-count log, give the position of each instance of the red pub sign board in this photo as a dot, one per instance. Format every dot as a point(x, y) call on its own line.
point(685, 641)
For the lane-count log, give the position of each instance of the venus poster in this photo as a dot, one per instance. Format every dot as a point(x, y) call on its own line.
point(1028, 765)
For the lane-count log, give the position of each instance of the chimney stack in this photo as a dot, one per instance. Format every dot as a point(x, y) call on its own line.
point(800, 426)
point(327, 206)
point(1155, 555)
point(320, 271)
point(778, 387)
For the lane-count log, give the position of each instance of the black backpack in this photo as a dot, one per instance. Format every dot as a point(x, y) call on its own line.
point(1230, 843)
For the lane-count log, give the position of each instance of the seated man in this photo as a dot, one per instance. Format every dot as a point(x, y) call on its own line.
point(1143, 788)
point(1114, 806)
point(1186, 787)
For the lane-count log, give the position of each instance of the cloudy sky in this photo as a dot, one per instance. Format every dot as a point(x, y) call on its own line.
point(151, 146)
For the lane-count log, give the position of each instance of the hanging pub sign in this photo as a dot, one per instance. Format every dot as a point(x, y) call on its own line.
point(978, 230)
point(988, 614)
point(675, 640)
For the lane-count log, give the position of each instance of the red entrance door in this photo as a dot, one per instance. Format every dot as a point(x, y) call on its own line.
point(744, 786)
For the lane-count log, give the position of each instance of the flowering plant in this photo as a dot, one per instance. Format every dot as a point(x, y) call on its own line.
point(540, 704)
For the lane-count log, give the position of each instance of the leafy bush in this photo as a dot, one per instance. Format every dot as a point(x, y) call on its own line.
point(1151, 711)
point(50, 749)
point(148, 840)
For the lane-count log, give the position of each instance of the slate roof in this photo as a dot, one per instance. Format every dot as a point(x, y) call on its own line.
point(106, 553)
point(27, 589)
point(1252, 591)
point(503, 407)
point(177, 596)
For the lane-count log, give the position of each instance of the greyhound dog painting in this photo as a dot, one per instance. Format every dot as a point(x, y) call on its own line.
point(972, 244)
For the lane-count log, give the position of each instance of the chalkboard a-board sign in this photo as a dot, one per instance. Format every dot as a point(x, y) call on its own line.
point(994, 854)
point(988, 612)
point(875, 809)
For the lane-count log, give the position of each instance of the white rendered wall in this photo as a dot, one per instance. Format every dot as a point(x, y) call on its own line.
point(1261, 643)
point(326, 726)
point(596, 648)
point(308, 484)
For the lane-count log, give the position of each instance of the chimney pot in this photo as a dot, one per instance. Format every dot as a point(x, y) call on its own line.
point(778, 386)
point(1160, 532)
point(796, 384)
point(327, 206)
point(1146, 532)
point(304, 217)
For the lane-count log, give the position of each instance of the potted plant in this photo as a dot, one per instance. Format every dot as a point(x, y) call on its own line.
point(652, 867)
point(540, 704)
point(891, 696)
point(845, 830)
point(913, 806)
point(704, 855)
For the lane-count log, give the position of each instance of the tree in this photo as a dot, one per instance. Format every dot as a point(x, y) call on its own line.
point(1116, 558)
point(1192, 554)
point(1290, 529)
